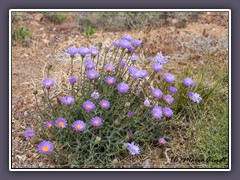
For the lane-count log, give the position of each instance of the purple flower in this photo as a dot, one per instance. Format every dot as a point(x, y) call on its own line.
point(132, 69)
point(156, 93)
point(93, 51)
point(104, 104)
point(83, 51)
point(127, 37)
point(125, 44)
point(72, 51)
point(49, 124)
point(134, 57)
point(72, 80)
point(48, 82)
point(45, 147)
point(96, 121)
point(157, 112)
point(61, 123)
point(136, 42)
point(157, 67)
point(195, 97)
point(89, 64)
point(122, 63)
point(89, 106)
point(95, 95)
point(29, 134)
point(129, 134)
point(160, 58)
point(147, 103)
point(172, 89)
point(167, 112)
point(122, 87)
point(68, 100)
point(133, 149)
point(79, 126)
point(161, 141)
point(92, 74)
point(109, 68)
point(130, 49)
point(169, 77)
point(137, 73)
point(188, 82)
point(110, 80)
point(107, 48)
point(149, 59)
point(116, 43)
point(168, 98)
point(130, 113)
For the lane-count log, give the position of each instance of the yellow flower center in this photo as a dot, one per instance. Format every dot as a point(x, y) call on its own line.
point(47, 84)
point(166, 112)
point(167, 100)
point(156, 93)
point(104, 105)
point(110, 82)
point(161, 141)
point(79, 127)
point(96, 122)
point(60, 124)
point(89, 107)
point(45, 148)
point(109, 69)
point(91, 75)
point(49, 125)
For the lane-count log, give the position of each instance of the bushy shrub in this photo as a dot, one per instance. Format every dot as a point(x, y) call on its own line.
point(55, 17)
point(112, 108)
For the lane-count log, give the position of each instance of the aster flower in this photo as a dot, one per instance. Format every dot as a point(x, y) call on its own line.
point(132, 69)
point(61, 123)
point(169, 77)
point(89, 64)
point(125, 44)
point(48, 82)
point(104, 104)
point(92, 74)
point(116, 43)
point(29, 134)
point(161, 141)
point(129, 134)
point(172, 89)
point(130, 113)
point(122, 87)
point(130, 49)
point(72, 51)
point(72, 80)
point(188, 82)
point(127, 37)
point(107, 48)
point(133, 149)
point(83, 51)
point(157, 67)
point(168, 98)
point(89, 106)
point(45, 147)
point(96, 121)
point(160, 58)
point(167, 112)
point(79, 126)
point(134, 57)
point(49, 124)
point(68, 100)
point(95, 95)
point(136, 42)
point(156, 93)
point(195, 97)
point(146, 102)
point(157, 112)
point(110, 80)
point(109, 67)
point(93, 51)
point(122, 63)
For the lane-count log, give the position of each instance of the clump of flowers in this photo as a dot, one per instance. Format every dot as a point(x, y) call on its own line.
point(112, 95)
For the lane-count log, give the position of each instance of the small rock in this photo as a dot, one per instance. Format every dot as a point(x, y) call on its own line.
point(147, 163)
